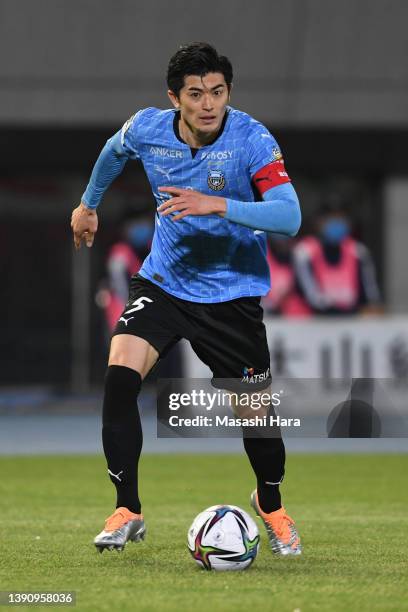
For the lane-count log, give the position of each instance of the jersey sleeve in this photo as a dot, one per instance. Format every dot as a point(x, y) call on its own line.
point(266, 166)
point(131, 133)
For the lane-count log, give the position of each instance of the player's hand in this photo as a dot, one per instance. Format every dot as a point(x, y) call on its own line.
point(189, 202)
point(84, 223)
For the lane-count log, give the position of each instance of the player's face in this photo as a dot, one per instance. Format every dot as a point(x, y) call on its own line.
point(202, 102)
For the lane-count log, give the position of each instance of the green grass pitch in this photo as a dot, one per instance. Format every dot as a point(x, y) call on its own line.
point(351, 512)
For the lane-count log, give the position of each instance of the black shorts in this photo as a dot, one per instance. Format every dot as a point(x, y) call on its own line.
point(229, 337)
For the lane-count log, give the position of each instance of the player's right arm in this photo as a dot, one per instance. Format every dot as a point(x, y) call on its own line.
point(110, 163)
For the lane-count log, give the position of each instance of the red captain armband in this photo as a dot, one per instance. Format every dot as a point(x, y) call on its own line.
point(270, 176)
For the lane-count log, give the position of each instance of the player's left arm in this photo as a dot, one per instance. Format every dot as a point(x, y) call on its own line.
point(279, 212)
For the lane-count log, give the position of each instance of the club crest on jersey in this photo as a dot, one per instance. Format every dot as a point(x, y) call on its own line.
point(216, 180)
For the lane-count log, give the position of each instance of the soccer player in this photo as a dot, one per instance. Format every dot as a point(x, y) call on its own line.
point(204, 275)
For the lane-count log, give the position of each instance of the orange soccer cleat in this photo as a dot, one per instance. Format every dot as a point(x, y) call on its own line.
point(283, 537)
point(120, 527)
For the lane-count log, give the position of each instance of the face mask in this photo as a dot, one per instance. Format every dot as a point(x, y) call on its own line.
point(140, 234)
point(335, 230)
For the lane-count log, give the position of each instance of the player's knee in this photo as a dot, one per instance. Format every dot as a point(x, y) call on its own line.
point(132, 352)
point(122, 386)
point(122, 380)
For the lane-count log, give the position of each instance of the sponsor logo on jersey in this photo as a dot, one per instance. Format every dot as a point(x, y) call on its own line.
point(216, 180)
point(164, 152)
point(216, 155)
point(276, 154)
point(250, 377)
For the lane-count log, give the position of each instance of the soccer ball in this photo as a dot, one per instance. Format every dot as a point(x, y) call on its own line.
point(223, 538)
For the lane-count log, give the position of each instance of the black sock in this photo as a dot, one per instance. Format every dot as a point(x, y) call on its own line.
point(267, 457)
point(122, 433)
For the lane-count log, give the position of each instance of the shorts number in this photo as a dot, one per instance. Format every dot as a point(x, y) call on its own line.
point(139, 304)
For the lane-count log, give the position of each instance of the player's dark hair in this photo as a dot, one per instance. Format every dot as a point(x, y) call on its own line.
point(197, 58)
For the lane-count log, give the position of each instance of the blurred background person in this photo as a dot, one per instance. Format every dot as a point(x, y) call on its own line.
point(124, 259)
point(335, 272)
point(284, 298)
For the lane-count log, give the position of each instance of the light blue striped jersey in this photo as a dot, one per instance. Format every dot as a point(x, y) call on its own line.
point(203, 258)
